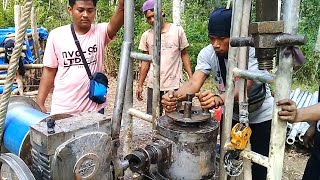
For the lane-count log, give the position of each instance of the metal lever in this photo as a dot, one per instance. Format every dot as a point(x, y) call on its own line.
point(188, 106)
point(50, 125)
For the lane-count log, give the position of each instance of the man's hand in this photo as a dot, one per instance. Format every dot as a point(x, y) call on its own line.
point(208, 100)
point(139, 93)
point(288, 110)
point(169, 101)
point(121, 4)
point(43, 108)
point(309, 136)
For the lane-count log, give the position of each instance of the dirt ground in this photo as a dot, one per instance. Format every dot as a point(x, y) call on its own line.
point(295, 156)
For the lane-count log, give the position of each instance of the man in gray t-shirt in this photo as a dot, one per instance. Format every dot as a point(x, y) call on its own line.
point(208, 63)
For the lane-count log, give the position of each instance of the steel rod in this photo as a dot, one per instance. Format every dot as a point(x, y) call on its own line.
point(121, 87)
point(228, 111)
point(123, 70)
point(140, 114)
point(127, 118)
point(156, 64)
point(128, 103)
point(247, 74)
point(141, 56)
point(243, 99)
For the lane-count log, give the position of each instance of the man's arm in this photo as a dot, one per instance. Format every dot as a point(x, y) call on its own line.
point(46, 84)
point(236, 91)
point(145, 66)
point(289, 112)
point(192, 86)
point(186, 62)
point(116, 20)
point(170, 99)
point(310, 114)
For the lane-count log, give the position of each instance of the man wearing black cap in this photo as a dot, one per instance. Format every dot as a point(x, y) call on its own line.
point(212, 60)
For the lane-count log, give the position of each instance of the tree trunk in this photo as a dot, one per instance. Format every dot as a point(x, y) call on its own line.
point(317, 46)
point(182, 6)
point(176, 12)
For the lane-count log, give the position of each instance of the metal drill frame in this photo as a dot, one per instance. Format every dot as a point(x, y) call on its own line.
point(282, 80)
point(123, 107)
point(240, 16)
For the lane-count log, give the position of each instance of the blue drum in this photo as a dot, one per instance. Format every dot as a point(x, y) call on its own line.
point(22, 113)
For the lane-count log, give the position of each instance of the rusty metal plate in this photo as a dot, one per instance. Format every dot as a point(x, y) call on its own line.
point(197, 115)
point(266, 27)
point(201, 132)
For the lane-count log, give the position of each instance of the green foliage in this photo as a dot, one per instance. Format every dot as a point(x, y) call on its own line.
point(308, 25)
point(194, 22)
point(6, 16)
point(52, 15)
point(195, 26)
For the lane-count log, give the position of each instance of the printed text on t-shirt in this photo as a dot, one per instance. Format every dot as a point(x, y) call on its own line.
point(73, 58)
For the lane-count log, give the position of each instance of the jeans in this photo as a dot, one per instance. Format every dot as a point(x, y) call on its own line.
point(260, 141)
point(312, 171)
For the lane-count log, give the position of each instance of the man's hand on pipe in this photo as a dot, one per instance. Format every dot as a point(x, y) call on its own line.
point(288, 110)
point(208, 100)
point(169, 101)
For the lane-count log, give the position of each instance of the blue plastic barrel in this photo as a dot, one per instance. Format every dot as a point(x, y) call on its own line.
point(22, 113)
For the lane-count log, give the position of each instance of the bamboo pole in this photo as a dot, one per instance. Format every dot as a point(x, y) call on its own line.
point(35, 36)
point(283, 83)
point(229, 102)
point(26, 66)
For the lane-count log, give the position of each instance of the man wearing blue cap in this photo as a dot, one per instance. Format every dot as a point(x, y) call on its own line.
point(212, 60)
point(174, 46)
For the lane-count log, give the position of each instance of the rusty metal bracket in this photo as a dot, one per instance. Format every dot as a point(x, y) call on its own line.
point(266, 37)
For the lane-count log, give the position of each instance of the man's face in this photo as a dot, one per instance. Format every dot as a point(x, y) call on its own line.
point(83, 13)
point(150, 17)
point(220, 45)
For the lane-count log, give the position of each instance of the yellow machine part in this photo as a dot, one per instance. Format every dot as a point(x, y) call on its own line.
point(240, 135)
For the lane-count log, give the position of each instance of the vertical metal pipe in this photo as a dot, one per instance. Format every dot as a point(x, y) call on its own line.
point(243, 58)
point(282, 90)
point(265, 10)
point(123, 69)
point(228, 104)
point(128, 103)
point(127, 118)
point(156, 64)
point(243, 99)
point(291, 16)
